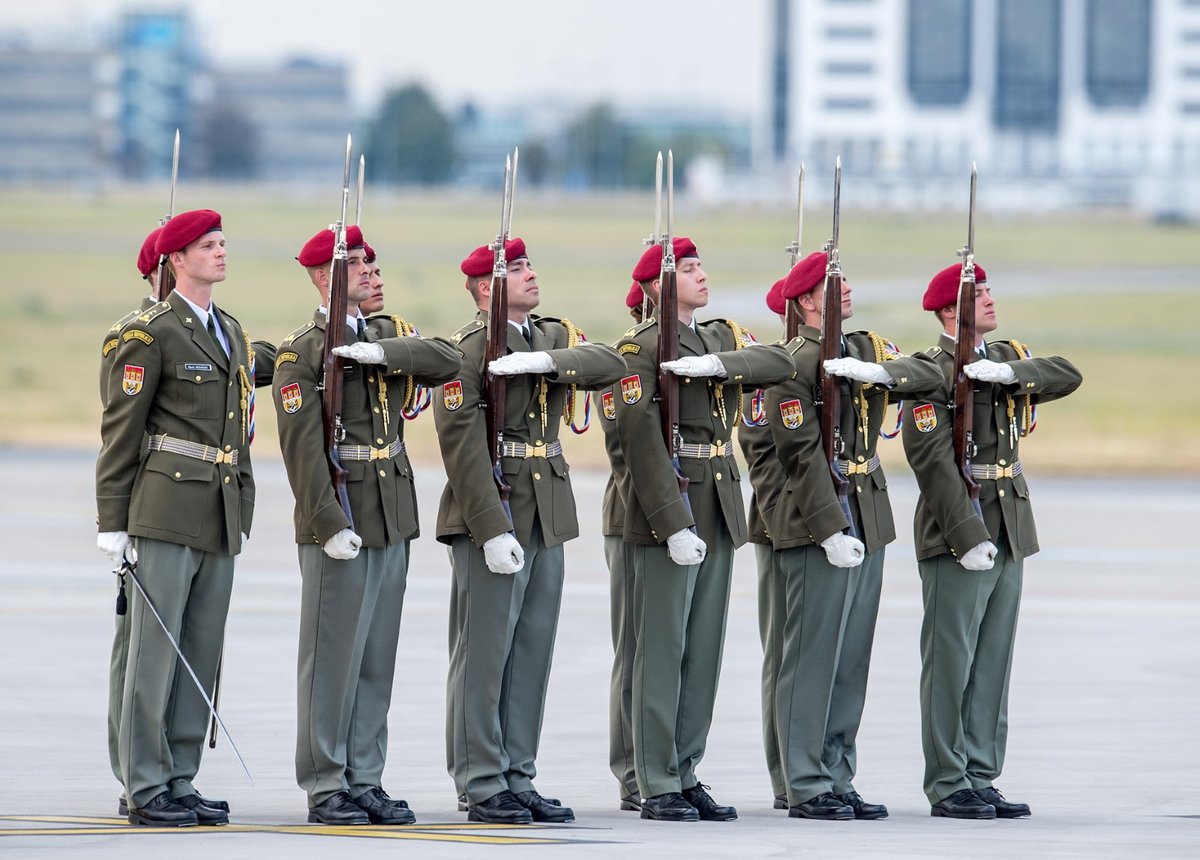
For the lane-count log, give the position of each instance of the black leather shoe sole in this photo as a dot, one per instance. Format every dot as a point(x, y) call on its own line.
point(964, 814)
point(1012, 813)
point(670, 814)
point(474, 814)
point(824, 815)
point(136, 816)
point(631, 803)
point(317, 818)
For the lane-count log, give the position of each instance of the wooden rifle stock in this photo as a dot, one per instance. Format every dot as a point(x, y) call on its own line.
point(668, 383)
point(964, 386)
point(497, 347)
point(831, 390)
point(331, 393)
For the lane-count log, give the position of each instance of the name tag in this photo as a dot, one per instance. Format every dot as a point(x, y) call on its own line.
point(197, 367)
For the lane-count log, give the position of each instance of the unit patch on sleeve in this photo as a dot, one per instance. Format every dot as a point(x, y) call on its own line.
point(791, 413)
point(131, 381)
point(292, 397)
point(631, 389)
point(925, 417)
point(629, 348)
point(452, 395)
point(610, 406)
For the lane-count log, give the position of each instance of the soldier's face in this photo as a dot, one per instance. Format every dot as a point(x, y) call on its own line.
point(374, 302)
point(818, 302)
point(691, 283)
point(985, 310)
point(358, 276)
point(203, 261)
point(523, 292)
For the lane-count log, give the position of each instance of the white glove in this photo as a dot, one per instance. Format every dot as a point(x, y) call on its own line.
point(863, 371)
point(980, 557)
point(343, 545)
point(503, 554)
point(116, 545)
point(362, 352)
point(685, 548)
point(843, 550)
point(990, 371)
point(522, 362)
point(696, 365)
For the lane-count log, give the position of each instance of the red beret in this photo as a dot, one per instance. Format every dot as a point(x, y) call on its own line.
point(184, 229)
point(318, 250)
point(480, 261)
point(775, 300)
point(635, 297)
point(370, 258)
point(805, 275)
point(147, 259)
point(650, 264)
point(943, 287)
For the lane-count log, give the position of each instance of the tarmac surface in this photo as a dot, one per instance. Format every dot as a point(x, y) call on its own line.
point(1103, 740)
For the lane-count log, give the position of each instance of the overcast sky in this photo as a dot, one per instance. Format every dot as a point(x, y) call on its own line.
point(703, 52)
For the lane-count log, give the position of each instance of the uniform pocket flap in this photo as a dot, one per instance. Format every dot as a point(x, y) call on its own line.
point(178, 467)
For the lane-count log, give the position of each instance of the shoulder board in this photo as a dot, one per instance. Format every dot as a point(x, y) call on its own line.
point(468, 330)
point(151, 314)
point(227, 315)
point(640, 327)
point(933, 351)
point(793, 346)
point(121, 323)
point(298, 332)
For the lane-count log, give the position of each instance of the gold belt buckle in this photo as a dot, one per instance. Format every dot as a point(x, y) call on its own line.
point(856, 468)
point(535, 451)
point(717, 450)
point(224, 457)
point(1004, 472)
point(379, 454)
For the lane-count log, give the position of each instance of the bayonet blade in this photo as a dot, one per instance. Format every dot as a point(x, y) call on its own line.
point(174, 176)
point(358, 203)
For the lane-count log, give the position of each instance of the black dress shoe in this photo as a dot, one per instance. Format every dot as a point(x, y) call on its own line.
point(669, 807)
point(1004, 808)
point(208, 816)
point(631, 803)
point(781, 801)
point(381, 809)
point(500, 808)
point(338, 809)
point(222, 805)
point(163, 811)
point(544, 810)
point(863, 811)
point(708, 808)
point(823, 807)
point(964, 803)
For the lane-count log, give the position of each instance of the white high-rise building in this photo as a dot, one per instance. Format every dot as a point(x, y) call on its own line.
point(1060, 102)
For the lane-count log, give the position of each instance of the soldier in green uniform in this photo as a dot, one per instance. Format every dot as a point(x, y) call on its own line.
point(767, 479)
point(619, 556)
point(175, 491)
point(971, 568)
point(683, 553)
point(833, 579)
point(508, 571)
point(353, 573)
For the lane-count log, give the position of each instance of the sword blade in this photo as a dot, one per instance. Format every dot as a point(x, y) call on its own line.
point(132, 571)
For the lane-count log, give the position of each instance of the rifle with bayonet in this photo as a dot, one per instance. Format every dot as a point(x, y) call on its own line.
point(668, 323)
point(964, 354)
point(791, 319)
point(335, 336)
point(166, 275)
point(830, 387)
point(497, 334)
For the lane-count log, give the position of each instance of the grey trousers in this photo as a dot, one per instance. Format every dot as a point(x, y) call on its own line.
point(117, 662)
point(619, 556)
point(850, 682)
point(818, 600)
point(349, 624)
point(967, 638)
point(772, 603)
point(681, 613)
point(502, 631)
point(163, 716)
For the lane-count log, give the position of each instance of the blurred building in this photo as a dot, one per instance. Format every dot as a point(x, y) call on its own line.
point(50, 102)
point(1061, 102)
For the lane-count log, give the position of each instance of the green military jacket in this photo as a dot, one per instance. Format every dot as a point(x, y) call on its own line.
point(767, 477)
point(170, 377)
point(383, 500)
point(541, 487)
point(709, 409)
point(945, 521)
point(808, 511)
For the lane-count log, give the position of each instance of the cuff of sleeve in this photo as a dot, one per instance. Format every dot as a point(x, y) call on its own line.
point(488, 523)
point(112, 513)
point(328, 521)
point(669, 519)
point(397, 355)
point(827, 521)
point(568, 367)
point(967, 533)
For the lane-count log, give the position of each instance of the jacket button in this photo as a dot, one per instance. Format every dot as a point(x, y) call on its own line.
point(537, 476)
point(382, 473)
point(226, 479)
point(178, 475)
point(861, 458)
point(714, 415)
point(531, 415)
point(687, 379)
point(718, 476)
point(1002, 494)
point(376, 410)
point(539, 442)
point(858, 488)
point(1002, 463)
point(371, 378)
point(230, 416)
point(198, 378)
point(378, 441)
